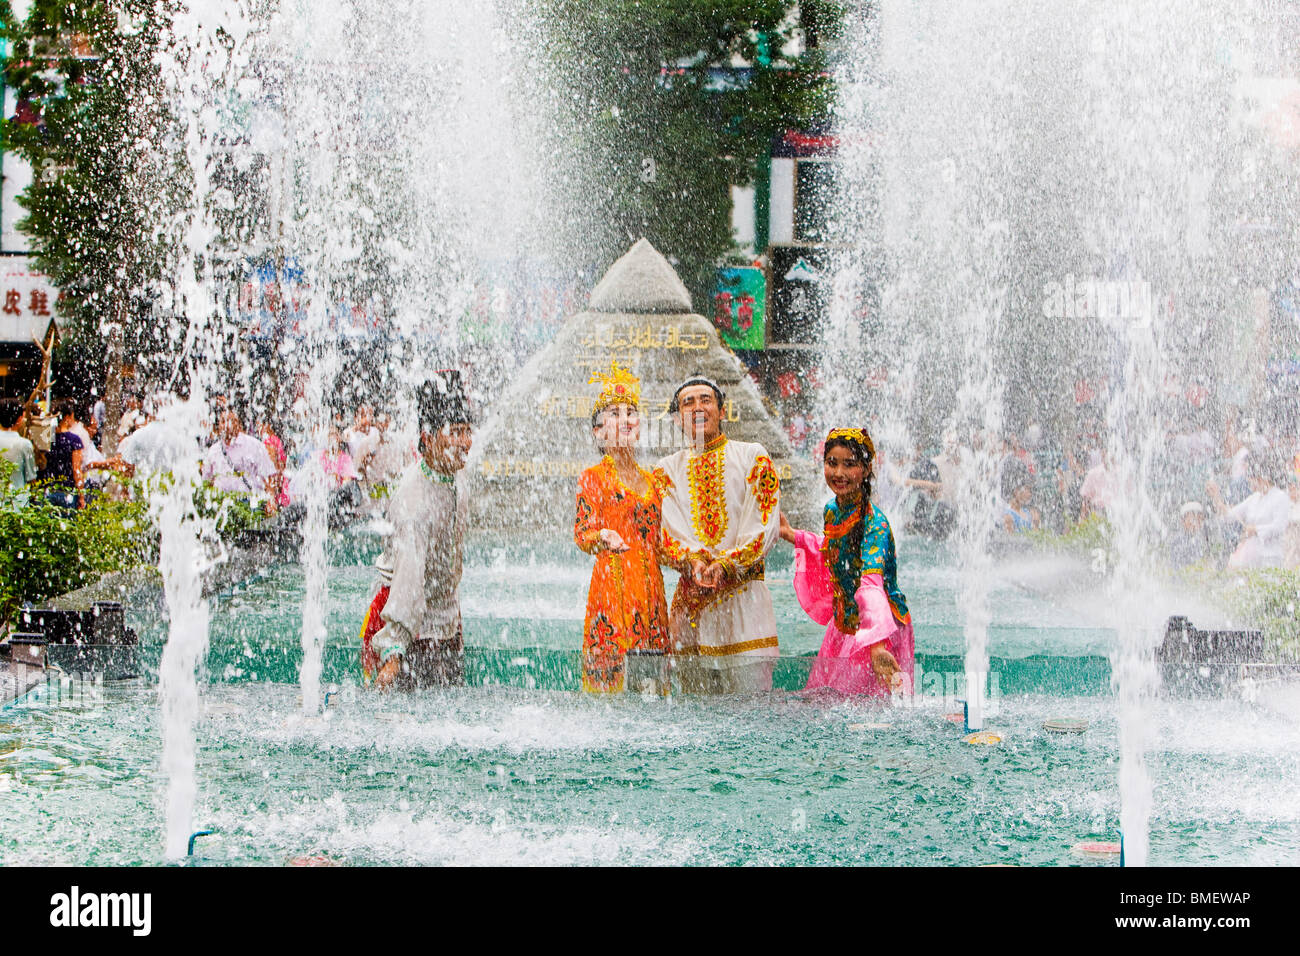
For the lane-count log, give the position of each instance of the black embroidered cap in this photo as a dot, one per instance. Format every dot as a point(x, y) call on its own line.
point(442, 401)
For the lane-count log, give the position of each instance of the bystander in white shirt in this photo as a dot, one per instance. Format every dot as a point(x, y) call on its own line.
point(18, 450)
point(243, 465)
point(155, 447)
point(1267, 513)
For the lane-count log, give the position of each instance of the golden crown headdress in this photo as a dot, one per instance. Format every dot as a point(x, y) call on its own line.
point(620, 387)
point(858, 435)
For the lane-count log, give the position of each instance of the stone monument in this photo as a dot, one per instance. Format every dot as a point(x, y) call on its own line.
point(527, 457)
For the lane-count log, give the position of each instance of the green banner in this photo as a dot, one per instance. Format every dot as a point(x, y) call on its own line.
point(740, 307)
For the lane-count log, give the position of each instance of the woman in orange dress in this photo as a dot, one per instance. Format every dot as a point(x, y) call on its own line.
point(618, 515)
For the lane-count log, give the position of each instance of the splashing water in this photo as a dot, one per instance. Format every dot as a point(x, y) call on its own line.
point(378, 176)
point(1053, 200)
point(402, 168)
point(995, 153)
point(182, 561)
point(200, 57)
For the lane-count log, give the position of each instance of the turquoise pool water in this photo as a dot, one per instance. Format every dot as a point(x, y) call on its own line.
point(499, 775)
point(519, 768)
point(523, 614)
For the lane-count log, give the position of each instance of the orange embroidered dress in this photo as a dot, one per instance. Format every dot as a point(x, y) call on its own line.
point(625, 603)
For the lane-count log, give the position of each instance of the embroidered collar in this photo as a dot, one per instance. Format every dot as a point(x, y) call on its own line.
point(840, 519)
point(608, 462)
point(436, 475)
point(714, 444)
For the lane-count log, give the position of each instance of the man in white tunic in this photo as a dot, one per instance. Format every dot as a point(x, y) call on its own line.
point(721, 515)
point(420, 642)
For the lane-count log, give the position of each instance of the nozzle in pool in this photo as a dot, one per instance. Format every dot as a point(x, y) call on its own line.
point(194, 836)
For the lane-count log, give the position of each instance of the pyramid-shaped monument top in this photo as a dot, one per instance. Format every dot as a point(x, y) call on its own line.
point(529, 456)
point(640, 282)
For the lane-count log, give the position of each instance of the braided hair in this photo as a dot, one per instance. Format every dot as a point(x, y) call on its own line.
point(864, 450)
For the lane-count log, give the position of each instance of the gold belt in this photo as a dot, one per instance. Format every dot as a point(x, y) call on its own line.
point(723, 650)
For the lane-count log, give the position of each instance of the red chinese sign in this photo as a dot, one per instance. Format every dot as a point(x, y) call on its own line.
point(29, 302)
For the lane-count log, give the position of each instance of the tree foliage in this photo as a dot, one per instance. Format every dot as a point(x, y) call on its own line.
point(662, 106)
point(655, 109)
point(93, 124)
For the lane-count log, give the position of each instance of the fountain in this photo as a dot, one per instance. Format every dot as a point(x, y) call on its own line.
point(996, 153)
point(203, 58)
point(960, 213)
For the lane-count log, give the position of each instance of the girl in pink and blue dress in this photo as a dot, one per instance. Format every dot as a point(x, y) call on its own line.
point(847, 579)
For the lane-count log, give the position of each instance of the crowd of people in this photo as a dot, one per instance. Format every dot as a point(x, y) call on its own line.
point(1226, 501)
point(64, 461)
point(62, 456)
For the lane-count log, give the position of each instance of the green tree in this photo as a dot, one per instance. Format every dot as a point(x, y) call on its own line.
point(661, 106)
point(90, 120)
